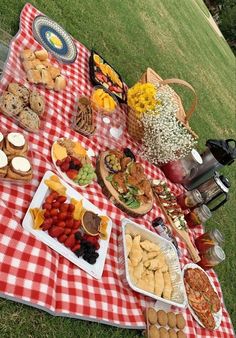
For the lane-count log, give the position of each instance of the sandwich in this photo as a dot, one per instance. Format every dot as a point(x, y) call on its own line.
point(20, 169)
point(3, 164)
point(15, 144)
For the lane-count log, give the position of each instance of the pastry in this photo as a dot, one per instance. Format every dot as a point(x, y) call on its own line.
point(181, 334)
point(27, 55)
point(3, 164)
point(20, 91)
point(149, 246)
point(37, 103)
point(46, 77)
point(159, 283)
point(172, 333)
point(151, 315)
point(128, 243)
point(163, 333)
point(46, 63)
point(15, 144)
point(36, 63)
point(1, 140)
point(29, 119)
point(153, 332)
point(162, 317)
point(60, 83)
point(138, 270)
point(34, 76)
point(167, 286)
point(10, 104)
point(136, 251)
point(146, 282)
point(20, 169)
point(180, 321)
point(54, 71)
point(28, 65)
point(171, 319)
point(42, 54)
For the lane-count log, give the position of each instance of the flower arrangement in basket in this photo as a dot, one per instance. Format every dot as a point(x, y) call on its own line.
point(153, 119)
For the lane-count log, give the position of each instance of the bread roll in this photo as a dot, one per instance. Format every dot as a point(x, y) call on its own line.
point(46, 77)
point(27, 55)
point(28, 65)
point(20, 169)
point(34, 76)
point(60, 83)
point(42, 54)
point(54, 71)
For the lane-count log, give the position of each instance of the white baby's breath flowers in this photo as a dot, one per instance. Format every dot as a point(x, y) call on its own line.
point(165, 137)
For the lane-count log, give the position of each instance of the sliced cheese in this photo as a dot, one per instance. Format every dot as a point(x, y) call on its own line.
point(79, 149)
point(59, 152)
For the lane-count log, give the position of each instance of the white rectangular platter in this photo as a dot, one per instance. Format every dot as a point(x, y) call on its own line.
point(95, 270)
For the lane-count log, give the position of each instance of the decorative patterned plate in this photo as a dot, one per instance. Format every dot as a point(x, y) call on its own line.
point(54, 39)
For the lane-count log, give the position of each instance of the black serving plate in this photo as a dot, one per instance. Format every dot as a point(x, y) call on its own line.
point(99, 78)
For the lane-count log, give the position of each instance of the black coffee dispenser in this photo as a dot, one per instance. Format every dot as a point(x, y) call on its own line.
point(217, 154)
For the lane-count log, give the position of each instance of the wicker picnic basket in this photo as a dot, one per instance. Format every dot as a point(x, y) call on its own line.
point(135, 127)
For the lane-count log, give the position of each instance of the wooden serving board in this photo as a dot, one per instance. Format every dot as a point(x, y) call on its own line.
point(183, 234)
point(112, 194)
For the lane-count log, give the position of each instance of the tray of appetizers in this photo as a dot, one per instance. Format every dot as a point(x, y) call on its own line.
point(73, 162)
point(149, 264)
point(102, 73)
point(15, 159)
point(26, 107)
point(204, 302)
point(68, 223)
point(124, 182)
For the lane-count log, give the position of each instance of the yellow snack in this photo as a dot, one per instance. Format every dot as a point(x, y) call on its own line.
point(97, 59)
point(54, 184)
point(103, 227)
point(38, 217)
point(79, 149)
point(59, 152)
point(79, 209)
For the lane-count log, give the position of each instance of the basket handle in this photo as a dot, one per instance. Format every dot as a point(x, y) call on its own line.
point(185, 84)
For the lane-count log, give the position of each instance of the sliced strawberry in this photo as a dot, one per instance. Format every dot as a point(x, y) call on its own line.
point(71, 173)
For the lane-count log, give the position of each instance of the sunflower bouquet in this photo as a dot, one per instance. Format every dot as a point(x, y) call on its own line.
point(163, 136)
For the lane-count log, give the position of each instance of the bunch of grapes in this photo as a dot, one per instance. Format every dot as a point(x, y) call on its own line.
point(85, 175)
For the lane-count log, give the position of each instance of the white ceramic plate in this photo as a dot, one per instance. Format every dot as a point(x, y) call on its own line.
point(90, 154)
point(95, 270)
point(218, 315)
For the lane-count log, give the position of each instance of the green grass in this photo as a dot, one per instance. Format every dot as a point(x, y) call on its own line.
point(174, 38)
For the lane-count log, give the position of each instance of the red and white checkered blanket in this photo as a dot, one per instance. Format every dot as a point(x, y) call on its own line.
point(33, 273)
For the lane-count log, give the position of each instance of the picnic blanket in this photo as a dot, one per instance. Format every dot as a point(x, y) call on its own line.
point(34, 274)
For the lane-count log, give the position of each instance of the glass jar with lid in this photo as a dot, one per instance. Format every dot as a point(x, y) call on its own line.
point(198, 216)
point(211, 257)
point(190, 199)
point(209, 239)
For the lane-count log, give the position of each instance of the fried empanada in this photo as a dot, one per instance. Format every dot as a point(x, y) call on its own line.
point(138, 270)
point(146, 282)
point(159, 283)
point(167, 286)
point(128, 242)
point(149, 246)
point(136, 252)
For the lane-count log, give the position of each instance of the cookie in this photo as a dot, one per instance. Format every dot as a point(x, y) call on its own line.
point(153, 332)
point(163, 333)
point(11, 104)
point(172, 333)
point(180, 321)
point(181, 334)
point(151, 315)
point(171, 319)
point(20, 91)
point(29, 119)
point(37, 103)
point(162, 317)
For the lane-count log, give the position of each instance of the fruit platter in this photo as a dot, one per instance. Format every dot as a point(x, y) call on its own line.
point(124, 182)
point(102, 73)
point(204, 302)
point(73, 162)
point(68, 223)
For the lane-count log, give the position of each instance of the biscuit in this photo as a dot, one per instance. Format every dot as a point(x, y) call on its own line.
point(10, 104)
point(172, 333)
point(37, 103)
point(27, 55)
point(42, 54)
point(163, 333)
point(180, 321)
point(151, 315)
point(54, 71)
point(20, 91)
point(171, 319)
point(29, 119)
point(181, 334)
point(28, 65)
point(60, 83)
point(153, 332)
point(34, 76)
point(162, 317)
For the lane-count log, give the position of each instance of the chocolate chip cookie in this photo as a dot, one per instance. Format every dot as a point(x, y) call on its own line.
point(10, 104)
